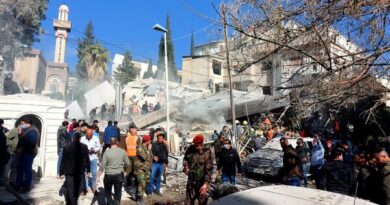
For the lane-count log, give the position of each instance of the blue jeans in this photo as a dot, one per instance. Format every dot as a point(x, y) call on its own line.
point(24, 171)
point(227, 178)
point(155, 177)
point(91, 181)
point(305, 170)
point(294, 181)
point(59, 153)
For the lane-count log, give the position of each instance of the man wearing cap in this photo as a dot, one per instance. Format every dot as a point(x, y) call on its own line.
point(142, 165)
point(198, 165)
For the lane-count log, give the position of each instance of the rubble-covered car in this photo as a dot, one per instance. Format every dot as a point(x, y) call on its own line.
point(282, 195)
point(268, 161)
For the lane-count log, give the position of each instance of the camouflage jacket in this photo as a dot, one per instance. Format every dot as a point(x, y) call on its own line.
point(200, 165)
point(144, 158)
point(218, 146)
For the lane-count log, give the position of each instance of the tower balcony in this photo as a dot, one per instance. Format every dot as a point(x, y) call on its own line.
point(62, 24)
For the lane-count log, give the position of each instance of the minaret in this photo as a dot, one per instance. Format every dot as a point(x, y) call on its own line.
point(62, 26)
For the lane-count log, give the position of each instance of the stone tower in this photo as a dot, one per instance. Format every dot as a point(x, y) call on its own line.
point(62, 27)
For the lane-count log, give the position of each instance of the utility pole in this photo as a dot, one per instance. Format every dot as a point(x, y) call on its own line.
point(233, 109)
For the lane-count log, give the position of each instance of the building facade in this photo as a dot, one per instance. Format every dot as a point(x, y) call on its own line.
point(30, 72)
point(35, 75)
point(57, 74)
point(206, 68)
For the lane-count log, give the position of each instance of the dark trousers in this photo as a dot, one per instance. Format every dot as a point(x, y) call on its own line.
point(72, 185)
point(193, 193)
point(24, 171)
point(317, 174)
point(116, 181)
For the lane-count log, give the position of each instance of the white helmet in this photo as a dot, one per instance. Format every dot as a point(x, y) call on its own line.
point(237, 122)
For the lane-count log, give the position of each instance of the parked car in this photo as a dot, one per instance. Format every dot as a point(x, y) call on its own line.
point(283, 195)
point(268, 161)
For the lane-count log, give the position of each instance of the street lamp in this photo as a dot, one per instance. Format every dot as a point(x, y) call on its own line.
point(159, 28)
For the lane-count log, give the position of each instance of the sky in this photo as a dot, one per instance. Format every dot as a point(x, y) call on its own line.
point(127, 24)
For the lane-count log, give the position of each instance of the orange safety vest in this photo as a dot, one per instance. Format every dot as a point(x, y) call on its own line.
point(131, 145)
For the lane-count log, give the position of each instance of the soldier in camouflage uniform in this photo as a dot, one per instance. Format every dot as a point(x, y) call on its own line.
point(218, 146)
point(143, 163)
point(198, 165)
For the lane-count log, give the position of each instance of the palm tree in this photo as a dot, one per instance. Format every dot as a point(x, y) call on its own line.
point(95, 58)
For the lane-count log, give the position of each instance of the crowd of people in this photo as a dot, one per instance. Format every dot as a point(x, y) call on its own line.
point(333, 162)
point(84, 157)
point(87, 154)
point(18, 148)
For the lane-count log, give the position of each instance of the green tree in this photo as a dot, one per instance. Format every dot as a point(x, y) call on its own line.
point(159, 74)
point(126, 72)
point(172, 70)
point(149, 73)
point(83, 44)
point(192, 51)
point(20, 26)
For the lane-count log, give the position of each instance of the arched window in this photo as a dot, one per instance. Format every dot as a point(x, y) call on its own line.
point(54, 83)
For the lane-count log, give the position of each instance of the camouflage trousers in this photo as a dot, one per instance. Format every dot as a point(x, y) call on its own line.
point(142, 181)
point(192, 193)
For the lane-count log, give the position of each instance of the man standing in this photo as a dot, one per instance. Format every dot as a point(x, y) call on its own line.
point(291, 169)
point(198, 165)
point(103, 111)
point(62, 141)
point(304, 157)
point(317, 161)
point(109, 132)
point(113, 165)
point(383, 161)
point(75, 161)
point(160, 159)
point(145, 108)
point(143, 163)
point(92, 113)
point(132, 142)
point(12, 143)
point(93, 145)
point(338, 175)
point(228, 162)
point(4, 155)
point(118, 131)
point(27, 148)
point(218, 146)
point(227, 132)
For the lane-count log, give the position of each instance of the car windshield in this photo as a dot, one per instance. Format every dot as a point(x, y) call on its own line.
point(275, 144)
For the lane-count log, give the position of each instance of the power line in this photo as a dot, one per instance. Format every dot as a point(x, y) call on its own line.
point(113, 45)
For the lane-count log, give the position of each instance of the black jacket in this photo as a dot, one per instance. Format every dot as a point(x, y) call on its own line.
point(75, 159)
point(338, 177)
point(62, 137)
point(228, 161)
point(161, 151)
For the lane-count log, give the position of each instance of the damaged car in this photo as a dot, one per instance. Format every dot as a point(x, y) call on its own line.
point(268, 161)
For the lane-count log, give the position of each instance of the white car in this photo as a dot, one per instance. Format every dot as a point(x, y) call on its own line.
point(288, 195)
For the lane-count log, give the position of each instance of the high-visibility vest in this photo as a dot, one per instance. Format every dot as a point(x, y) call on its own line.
point(131, 145)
